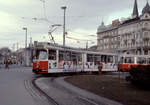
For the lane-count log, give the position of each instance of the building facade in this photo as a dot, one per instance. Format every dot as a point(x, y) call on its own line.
point(131, 36)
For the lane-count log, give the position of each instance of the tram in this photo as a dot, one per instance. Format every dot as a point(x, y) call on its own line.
point(128, 61)
point(57, 59)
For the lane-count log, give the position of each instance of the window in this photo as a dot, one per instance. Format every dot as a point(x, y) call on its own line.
point(145, 34)
point(128, 60)
point(146, 16)
point(146, 25)
point(52, 55)
point(42, 55)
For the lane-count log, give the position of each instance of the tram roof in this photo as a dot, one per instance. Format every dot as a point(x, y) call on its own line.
point(72, 49)
point(81, 50)
point(130, 55)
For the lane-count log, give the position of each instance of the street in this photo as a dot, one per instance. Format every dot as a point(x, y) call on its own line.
point(12, 86)
point(17, 88)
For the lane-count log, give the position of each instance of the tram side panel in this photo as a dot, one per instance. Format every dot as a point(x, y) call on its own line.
point(54, 62)
point(91, 63)
point(40, 67)
point(72, 66)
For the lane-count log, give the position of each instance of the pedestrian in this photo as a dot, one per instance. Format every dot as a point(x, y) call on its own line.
point(100, 68)
point(6, 64)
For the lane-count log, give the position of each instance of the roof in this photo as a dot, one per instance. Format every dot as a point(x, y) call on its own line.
point(146, 9)
point(135, 9)
point(131, 20)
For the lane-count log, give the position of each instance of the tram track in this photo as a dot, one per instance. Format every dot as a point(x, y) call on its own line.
point(44, 98)
point(63, 92)
point(40, 97)
point(50, 99)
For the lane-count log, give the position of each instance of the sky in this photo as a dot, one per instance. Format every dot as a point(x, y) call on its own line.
point(82, 19)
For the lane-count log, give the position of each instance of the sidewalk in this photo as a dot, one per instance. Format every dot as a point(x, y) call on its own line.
point(83, 93)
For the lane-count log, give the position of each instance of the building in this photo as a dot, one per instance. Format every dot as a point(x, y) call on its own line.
point(131, 35)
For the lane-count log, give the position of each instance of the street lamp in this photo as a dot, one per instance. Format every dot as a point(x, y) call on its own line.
point(64, 8)
point(64, 31)
point(56, 25)
point(25, 28)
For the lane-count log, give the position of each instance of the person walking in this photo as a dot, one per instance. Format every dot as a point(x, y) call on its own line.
point(100, 68)
point(6, 64)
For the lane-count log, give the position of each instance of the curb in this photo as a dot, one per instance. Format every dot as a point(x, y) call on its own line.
point(86, 94)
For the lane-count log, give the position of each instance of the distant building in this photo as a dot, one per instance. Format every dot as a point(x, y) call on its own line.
point(131, 35)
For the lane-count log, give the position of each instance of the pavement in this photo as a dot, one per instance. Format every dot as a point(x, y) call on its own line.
point(12, 87)
point(67, 94)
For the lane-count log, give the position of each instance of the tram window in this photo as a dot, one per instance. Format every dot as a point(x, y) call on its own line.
point(90, 58)
point(97, 58)
point(110, 59)
point(79, 57)
point(116, 59)
point(68, 56)
point(52, 55)
point(42, 55)
point(74, 58)
point(103, 58)
point(61, 56)
point(148, 61)
point(37, 54)
point(121, 60)
point(129, 60)
point(141, 61)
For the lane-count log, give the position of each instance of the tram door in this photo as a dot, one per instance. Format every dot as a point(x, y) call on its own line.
point(109, 62)
point(52, 58)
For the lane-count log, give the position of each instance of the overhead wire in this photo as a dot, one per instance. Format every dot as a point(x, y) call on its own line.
point(45, 15)
point(79, 39)
point(82, 33)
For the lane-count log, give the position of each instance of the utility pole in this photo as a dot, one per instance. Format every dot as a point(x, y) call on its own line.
point(87, 45)
point(30, 42)
point(25, 28)
point(64, 8)
point(17, 46)
point(64, 30)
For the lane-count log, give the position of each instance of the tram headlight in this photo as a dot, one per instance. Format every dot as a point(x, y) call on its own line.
point(37, 65)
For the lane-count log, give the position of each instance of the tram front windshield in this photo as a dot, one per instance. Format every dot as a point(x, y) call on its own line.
point(42, 55)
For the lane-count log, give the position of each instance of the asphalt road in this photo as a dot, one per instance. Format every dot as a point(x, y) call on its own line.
point(14, 86)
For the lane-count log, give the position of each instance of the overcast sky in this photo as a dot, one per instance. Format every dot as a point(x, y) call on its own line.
point(82, 19)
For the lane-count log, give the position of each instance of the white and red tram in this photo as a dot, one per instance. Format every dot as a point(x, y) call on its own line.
point(127, 61)
point(56, 59)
